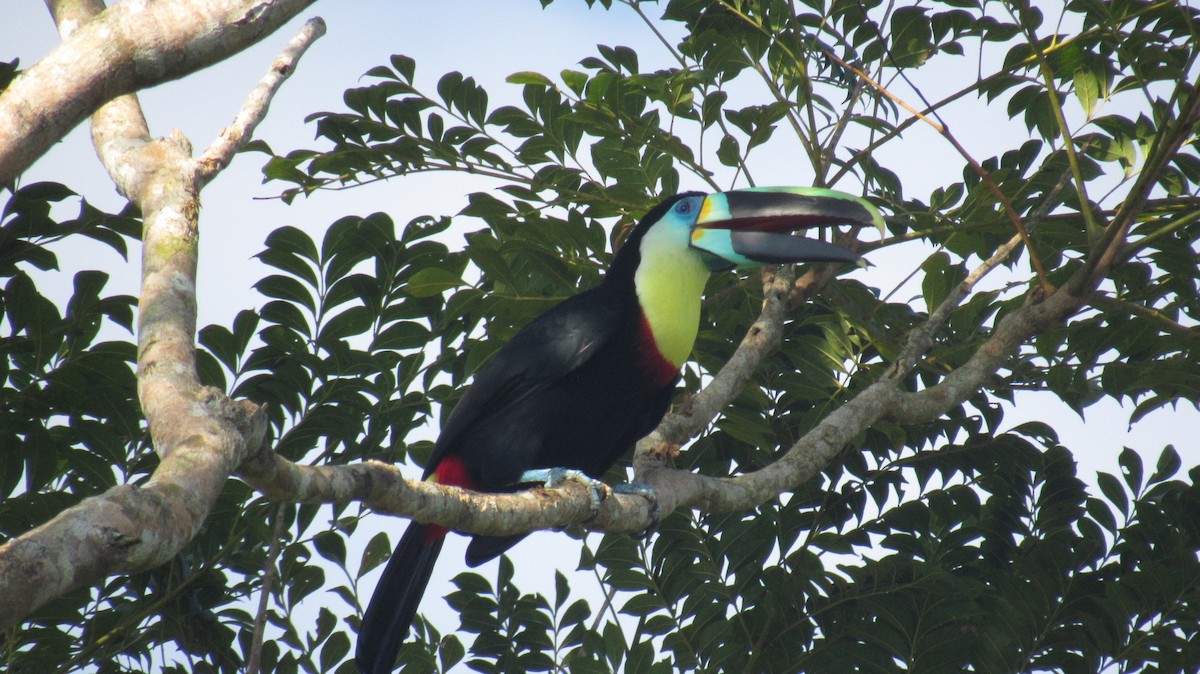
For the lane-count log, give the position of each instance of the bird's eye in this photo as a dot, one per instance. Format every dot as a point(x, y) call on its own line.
point(684, 207)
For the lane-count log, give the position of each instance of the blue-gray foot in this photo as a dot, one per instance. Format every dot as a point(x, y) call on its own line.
point(553, 477)
point(647, 492)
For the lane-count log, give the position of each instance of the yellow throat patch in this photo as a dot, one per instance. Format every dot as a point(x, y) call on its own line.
point(669, 286)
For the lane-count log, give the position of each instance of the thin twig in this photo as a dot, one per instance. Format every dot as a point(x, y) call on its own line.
point(1092, 227)
point(1131, 249)
point(988, 181)
point(1102, 301)
point(270, 574)
point(235, 136)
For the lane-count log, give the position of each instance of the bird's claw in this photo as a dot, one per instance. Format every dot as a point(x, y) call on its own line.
point(647, 492)
point(553, 477)
point(597, 490)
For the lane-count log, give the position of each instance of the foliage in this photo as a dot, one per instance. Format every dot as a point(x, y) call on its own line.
point(959, 544)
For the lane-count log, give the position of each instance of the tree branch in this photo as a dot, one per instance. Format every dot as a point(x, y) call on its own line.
point(763, 338)
point(128, 528)
point(270, 576)
point(235, 136)
point(128, 47)
point(382, 487)
point(199, 433)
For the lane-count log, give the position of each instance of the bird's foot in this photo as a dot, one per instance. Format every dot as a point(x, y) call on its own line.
point(647, 492)
point(553, 477)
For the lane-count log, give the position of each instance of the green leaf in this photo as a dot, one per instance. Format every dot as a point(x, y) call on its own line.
point(912, 37)
point(1168, 465)
point(405, 66)
point(332, 546)
point(1113, 491)
point(528, 77)
point(287, 288)
point(432, 281)
point(336, 648)
point(450, 652)
point(378, 550)
point(1131, 465)
point(1087, 90)
point(401, 335)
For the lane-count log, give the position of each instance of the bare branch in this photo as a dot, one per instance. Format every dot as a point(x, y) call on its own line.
point(270, 576)
point(235, 136)
point(128, 528)
point(118, 126)
point(128, 47)
point(921, 339)
point(384, 489)
point(782, 292)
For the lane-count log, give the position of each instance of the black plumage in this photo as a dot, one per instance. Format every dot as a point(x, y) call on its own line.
point(576, 388)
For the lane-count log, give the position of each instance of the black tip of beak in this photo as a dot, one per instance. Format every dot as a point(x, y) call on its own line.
point(772, 248)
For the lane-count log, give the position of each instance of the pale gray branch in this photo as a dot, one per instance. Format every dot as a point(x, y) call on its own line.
point(383, 488)
point(130, 46)
point(200, 435)
point(762, 339)
point(235, 136)
point(128, 528)
point(782, 292)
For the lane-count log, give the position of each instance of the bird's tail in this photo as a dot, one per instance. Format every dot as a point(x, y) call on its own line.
point(394, 604)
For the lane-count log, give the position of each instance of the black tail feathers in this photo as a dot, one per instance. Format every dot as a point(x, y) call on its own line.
point(483, 549)
point(390, 613)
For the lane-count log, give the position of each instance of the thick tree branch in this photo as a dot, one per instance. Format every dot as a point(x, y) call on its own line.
point(128, 528)
point(128, 47)
point(200, 435)
point(383, 489)
point(782, 292)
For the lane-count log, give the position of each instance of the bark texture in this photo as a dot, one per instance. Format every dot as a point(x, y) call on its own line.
point(128, 47)
point(201, 436)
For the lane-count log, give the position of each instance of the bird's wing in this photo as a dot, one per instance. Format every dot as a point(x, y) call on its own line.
point(553, 346)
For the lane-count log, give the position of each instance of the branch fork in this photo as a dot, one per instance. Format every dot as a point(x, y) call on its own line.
point(199, 433)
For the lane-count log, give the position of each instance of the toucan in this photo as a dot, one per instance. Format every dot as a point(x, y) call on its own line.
point(575, 389)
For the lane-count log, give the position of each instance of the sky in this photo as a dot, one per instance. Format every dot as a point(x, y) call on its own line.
point(487, 40)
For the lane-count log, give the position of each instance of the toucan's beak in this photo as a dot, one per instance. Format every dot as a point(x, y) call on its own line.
point(750, 227)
